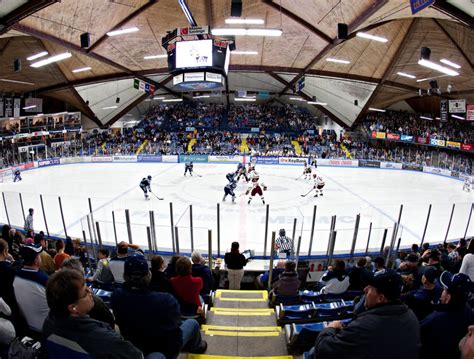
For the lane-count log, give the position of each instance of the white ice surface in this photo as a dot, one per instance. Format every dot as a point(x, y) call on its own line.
point(374, 193)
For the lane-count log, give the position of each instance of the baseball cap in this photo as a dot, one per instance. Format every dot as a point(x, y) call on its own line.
point(135, 265)
point(431, 274)
point(458, 283)
point(386, 281)
point(412, 257)
point(29, 252)
point(435, 254)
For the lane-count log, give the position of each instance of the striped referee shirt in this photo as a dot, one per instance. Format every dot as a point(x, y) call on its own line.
point(284, 243)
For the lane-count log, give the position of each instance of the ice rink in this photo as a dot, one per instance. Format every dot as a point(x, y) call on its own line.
point(375, 194)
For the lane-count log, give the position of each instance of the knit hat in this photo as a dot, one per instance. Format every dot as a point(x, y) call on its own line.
point(135, 265)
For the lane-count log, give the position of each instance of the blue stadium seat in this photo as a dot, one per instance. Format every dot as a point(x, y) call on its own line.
point(59, 347)
point(314, 312)
point(102, 294)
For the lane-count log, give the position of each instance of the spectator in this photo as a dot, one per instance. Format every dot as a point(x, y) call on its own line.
point(355, 275)
point(200, 269)
point(288, 283)
point(386, 326)
point(284, 244)
point(187, 287)
point(467, 266)
point(70, 302)
point(29, 220)
point(170, 270)
point(159, 282)
point(6, 235)
point(422, 300)
point(235, 263)
point(155, 325)
point(335, 280)
point(103, 274)
point(47, 263)
point(466, 345)
point(30, 288)
point(262, 279)
point(415, 249)
point(116, 263)
point(60, 256)
point(379, 264)
point(7, 276)
point(409, 271)
point(442, 330)
point(7, 330)
point(68, 246)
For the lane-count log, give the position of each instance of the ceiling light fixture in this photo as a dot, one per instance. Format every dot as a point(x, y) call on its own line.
point(296, 99)
point(245, 99)
point(237, 20)
point(371, 37)
point(202, 96)
point(437, 67)
point(159, 98)
point(438, 118)
point(37, 56)
point(245, 32)
point(404, 74)
point(237, 52)
point(449, 63)
point(82, 69)
point(151, 57)
point(330, 59)
point(123, 31)
point(49, 60)
point(17, 82)
point(109, 107)
point(426, 118)
point(458, 117)
point(29, 107)
point(173, 100)
point(317, 103)
point(376, 109)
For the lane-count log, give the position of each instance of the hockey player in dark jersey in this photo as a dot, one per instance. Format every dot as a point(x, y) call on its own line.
point(145, 185)
point(188, 167)
point(229, 190)
point(17, 176)
point(231, 176)
point(242, 171)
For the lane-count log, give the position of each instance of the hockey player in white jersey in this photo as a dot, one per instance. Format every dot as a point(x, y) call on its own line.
point(318, 185)
point(467, 185)
point(256, 188)
point(307, 171)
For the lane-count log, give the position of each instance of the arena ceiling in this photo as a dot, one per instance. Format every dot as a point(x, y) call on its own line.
point(309, 38)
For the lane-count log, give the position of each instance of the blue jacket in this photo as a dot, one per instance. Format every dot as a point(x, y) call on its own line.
point(203, 271)
point(442, 330)
point(150, 320)
point(422, 301)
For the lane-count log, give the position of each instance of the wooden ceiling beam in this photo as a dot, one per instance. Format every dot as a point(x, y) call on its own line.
point(376, 5)
point(387, 72)
point(23, 11)
point(468, 60)
point(299, 20)
point(85, 108)
point(124, 111)
point(453, 12)
point(118, 26)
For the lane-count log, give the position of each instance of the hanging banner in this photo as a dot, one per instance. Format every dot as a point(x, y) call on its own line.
point(1, 107)
point(8, 107)
point(444, 110)
point(16, 107)
point(418, 5)
point(469, 117)
point(457, 106)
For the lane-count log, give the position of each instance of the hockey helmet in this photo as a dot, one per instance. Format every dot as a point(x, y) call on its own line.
point(149, 177)
point(282, 232)
point(143, 179)
point(315, 175)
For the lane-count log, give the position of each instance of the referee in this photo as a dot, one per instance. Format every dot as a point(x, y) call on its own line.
point(284, 244)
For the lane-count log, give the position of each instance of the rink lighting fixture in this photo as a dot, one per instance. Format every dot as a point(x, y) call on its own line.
point(437, 118)
point(240, 21)
point(426, 118)
point(173, 100)
point(128, 30)
point(449, 63)
point(437, 67)
point(202, 96)
point(37, 56)
point(296, 99)
point(338, 61)
point(371, 37)
point(376, 109)
point(158, 98)
point(458, 117)
point(17, 82)
point(49, 60)
point(245, 99)
point(245, 32)
point(29, 107)
point(404, 74)
point(244, 52)
point(82, 69)
point(317, 103)
point(151, 57)
point(109, 107)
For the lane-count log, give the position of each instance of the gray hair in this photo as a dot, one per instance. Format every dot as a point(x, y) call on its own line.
point(197, 258)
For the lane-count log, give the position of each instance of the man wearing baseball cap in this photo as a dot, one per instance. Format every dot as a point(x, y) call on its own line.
point(386, 329)
point(442, 330)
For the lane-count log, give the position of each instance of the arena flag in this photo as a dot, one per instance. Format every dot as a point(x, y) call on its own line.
point(418, 5)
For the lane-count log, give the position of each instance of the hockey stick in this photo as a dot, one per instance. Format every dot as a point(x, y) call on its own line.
point(304, 195)
point(161, 199)
point(297, 178)
point(197, 174)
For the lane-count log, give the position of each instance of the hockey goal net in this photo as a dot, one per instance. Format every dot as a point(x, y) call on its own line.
point(6, 175)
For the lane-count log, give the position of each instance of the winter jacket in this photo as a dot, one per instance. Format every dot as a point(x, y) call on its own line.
point(204, 272)
point(287, 284)
point(389, 331)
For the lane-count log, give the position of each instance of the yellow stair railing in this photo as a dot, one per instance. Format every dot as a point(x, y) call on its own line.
point(348, 154)
point(191, 144)
point(142, 146)
point(244, 148)
point(297, 147)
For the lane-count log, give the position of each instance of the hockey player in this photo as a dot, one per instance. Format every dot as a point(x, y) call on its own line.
point(188, 167)
point(307, 171)
point(467, 185)
point(242, 171)
point(231, 176)
point(318, 185)
point(145, 185)
point(17, 176)
point(229, 190)
point(251, 168)
point(256, 188)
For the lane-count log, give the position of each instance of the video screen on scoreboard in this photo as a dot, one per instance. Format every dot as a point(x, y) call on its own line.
point(191, 54)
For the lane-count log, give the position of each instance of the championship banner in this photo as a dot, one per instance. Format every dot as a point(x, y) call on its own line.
point(469, 117)
point(444, 110)
point(8, 107)
point(16, 107)
point(457, 106)
point(1, 107)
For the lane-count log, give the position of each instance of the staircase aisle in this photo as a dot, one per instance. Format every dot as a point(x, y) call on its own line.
point(241, 325)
